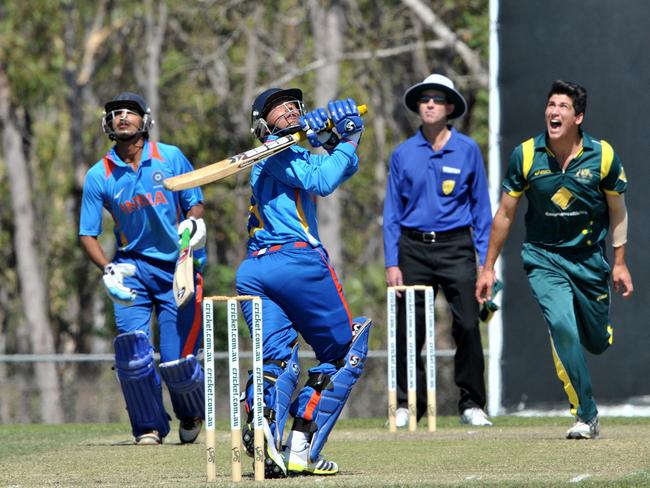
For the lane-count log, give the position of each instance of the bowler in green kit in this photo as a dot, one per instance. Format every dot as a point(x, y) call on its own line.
point(574, 184)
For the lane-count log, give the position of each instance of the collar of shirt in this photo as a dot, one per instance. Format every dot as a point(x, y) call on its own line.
point(452, 143)
point(149, 151)
point(541, 142)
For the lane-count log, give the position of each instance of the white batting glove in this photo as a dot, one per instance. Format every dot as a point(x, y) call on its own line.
point(114, 282)
point(197, 232)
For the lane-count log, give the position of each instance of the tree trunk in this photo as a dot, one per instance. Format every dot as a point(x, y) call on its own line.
point(32, 279)
point(455, 44)
point(4, 407)
point(251, 71)
point(154, 38)
point(77, 75)
point(328, 28)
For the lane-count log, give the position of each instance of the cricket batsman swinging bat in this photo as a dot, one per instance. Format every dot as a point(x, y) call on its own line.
point(235, 164)
point(184, 273)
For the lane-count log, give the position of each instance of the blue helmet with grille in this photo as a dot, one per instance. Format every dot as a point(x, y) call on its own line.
point(263, 104)
point(130, 101)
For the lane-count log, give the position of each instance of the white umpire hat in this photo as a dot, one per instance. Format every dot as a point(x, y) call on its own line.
point(440, 83)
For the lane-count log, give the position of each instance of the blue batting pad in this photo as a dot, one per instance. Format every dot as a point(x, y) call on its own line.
point(184, 378)
point(284, 387)
point(334, 396)
point(140, 383)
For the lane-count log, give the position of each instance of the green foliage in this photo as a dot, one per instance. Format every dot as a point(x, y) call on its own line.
point(215, 57)
point(30, 43)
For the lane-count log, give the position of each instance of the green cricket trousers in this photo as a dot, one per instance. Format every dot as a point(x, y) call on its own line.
point(572, 288)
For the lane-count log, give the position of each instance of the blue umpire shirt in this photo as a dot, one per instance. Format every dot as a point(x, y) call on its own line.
point(436, 191)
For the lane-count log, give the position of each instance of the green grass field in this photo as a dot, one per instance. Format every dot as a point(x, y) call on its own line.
point(516, 452)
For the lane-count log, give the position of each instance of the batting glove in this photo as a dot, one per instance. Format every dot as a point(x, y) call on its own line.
point(346, 118)
point(113, 278)
point(314, 125)
point(197, 232)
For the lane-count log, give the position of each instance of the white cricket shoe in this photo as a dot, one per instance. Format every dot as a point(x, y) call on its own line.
point(402, 417)
point(151, 438)
point(475, 416)
point(189, 429)
point(297, 463)
point(584, 430)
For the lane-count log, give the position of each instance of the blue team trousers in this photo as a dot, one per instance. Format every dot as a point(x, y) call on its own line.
point(300, 294)
point(180, 334)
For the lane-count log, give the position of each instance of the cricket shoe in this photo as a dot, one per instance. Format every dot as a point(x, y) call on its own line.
point(584, 430)
point(151, 438)
point(401, 417)
point(475, 416)
point(274, 466)
point(297, 462)
point(189, 429)
point(248, 440)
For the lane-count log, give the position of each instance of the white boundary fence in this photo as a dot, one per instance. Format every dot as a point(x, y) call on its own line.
point(101, 357)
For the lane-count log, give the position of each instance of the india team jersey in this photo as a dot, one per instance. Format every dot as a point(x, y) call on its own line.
point(566, 208)
point(285, 187)
point(145, 214)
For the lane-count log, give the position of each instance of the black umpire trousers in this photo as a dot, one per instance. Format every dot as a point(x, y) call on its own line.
point(448, 263)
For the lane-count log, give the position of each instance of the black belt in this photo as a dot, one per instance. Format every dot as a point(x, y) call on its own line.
point(430, 237)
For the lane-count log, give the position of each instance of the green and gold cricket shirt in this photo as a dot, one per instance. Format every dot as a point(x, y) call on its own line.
point(565, 208)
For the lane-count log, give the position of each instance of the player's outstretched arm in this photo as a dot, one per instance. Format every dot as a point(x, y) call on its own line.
point(500, 228)
point(621, 277)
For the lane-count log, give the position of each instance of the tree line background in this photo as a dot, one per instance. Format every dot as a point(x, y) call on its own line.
point(199, 64)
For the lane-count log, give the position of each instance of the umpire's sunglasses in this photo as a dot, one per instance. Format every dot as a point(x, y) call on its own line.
point(437, 99)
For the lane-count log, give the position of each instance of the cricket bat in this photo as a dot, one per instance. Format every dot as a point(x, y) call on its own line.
point(235, 164)
point(184, 273)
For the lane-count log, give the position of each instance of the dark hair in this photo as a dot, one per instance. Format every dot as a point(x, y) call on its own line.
point(577, 94)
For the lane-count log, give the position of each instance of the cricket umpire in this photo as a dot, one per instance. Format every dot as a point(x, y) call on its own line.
point(436, 220)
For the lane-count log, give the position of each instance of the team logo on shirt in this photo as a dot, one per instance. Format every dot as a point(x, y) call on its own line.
point(157, 176)
point(563, 198)
point(584, 174)
point(140, 201)
point(448, 186)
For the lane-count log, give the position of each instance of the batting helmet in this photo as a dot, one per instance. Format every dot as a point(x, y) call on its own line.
point(130, 101)
point(263, 104)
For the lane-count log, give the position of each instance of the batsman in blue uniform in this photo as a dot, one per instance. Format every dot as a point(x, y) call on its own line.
point(148, 219)
point(288, 267)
